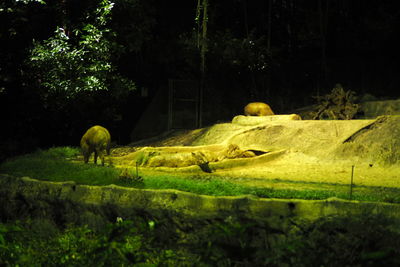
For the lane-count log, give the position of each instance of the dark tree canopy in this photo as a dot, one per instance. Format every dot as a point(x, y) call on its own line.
point(283, 52)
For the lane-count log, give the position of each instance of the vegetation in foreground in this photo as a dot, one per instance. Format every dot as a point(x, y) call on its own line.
point(367, 240)
point(55, 164)
point(364, 240)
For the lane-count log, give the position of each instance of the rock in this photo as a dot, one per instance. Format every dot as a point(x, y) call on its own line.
point(255, 120)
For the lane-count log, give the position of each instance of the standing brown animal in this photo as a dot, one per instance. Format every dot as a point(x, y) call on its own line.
point(257, 109)
point(97, 139)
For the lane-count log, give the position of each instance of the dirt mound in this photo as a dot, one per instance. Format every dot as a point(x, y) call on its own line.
point(369, 140)
point(288, 149)
point(378, 142)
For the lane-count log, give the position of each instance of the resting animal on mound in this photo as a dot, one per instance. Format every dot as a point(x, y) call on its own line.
point(257, 109)
point(97, 139)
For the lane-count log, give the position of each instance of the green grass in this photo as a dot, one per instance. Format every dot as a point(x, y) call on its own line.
point(55, 165)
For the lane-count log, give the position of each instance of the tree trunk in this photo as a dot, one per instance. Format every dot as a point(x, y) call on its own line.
point(269, 29)
point(202, 5)
point(198, 14)
point(204, 37)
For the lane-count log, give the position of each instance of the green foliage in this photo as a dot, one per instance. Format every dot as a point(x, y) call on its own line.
point(10, 6)
point(9, 251)
point(240, 56)
point(123, 243)
point(363, 240)
point(120, 243)
point(134, 23)
point(243, 53)
point(66, 65)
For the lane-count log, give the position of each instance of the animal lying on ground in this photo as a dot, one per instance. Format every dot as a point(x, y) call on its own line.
point(97, 139)
point(258, 109)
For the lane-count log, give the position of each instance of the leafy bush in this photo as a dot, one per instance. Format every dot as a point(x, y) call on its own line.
point(66, 65)
point(364, 240)
point(120, 244)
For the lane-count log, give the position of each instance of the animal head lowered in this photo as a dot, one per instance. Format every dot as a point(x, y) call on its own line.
point(97, 139)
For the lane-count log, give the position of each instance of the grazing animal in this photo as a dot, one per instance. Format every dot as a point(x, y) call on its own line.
point(97, 139)
point(257, 109)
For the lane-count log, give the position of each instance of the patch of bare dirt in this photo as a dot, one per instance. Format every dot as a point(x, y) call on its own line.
point(265, 149)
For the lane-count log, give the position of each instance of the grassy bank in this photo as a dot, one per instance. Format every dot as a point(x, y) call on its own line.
point(57, 164)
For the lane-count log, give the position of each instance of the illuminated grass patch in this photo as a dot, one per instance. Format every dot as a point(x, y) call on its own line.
point(55, 165)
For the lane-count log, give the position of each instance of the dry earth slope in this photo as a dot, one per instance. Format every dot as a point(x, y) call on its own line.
point(281, 147)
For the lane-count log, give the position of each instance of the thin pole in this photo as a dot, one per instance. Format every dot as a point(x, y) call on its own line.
point(351, 182)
